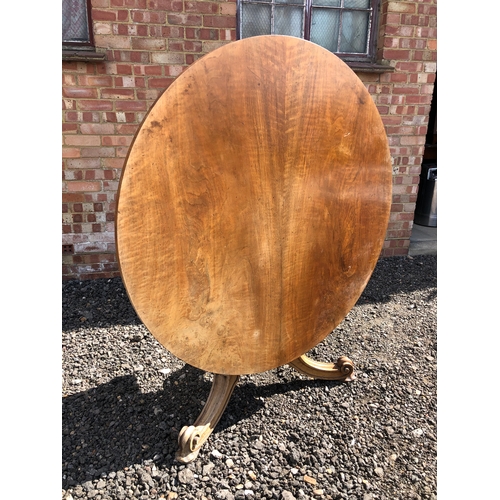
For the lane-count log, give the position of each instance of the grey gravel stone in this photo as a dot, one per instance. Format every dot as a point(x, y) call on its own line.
point(120, 423)
point(185, 476)
point(88, 485)
point(208, 468)
point(225, 495)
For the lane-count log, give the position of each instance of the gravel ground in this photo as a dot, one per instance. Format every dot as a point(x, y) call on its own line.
point(282, 436)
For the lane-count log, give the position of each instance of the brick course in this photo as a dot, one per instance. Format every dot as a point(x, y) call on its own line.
point(150, 42)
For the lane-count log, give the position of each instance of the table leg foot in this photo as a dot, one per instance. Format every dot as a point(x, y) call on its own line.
point(192, 437)
point(342, 370)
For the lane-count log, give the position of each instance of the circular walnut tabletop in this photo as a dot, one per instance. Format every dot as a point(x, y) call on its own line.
point(253, 205)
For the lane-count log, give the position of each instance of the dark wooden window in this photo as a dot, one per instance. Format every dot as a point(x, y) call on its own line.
point(77, 24)
point(345, 27)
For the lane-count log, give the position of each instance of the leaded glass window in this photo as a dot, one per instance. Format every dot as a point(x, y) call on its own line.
point(76, 23)
point(345, 27)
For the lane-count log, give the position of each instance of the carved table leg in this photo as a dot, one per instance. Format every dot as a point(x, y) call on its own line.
point(343, 369)
point(191, 438)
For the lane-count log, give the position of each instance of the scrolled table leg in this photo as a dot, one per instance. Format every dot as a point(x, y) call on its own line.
point(342, 370)
point(192, 437)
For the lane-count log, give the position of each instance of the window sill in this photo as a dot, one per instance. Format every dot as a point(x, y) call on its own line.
point(82, 55)
point(362, 67)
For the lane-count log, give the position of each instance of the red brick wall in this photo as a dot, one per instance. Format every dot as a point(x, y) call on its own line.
point(147, 44)
point(407, 41)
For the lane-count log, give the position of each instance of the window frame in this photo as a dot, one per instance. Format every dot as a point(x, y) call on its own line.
point(368, 57)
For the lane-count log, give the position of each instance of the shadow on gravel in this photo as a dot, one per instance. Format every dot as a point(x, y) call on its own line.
point(401, 274)
point(114, 425)
point(104, 302)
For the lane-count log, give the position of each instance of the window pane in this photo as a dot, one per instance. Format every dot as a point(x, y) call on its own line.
point(256, 20)
point(74, 21)
point(295, 2)
point(357, 4)
point(330, 3)
point(325, 28)
point(354, 32)
point(288, 21)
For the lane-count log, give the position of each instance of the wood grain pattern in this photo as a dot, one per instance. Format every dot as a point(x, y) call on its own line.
point(253, 205)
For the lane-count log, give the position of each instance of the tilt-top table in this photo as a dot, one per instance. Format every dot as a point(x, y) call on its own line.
point(252, 211)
